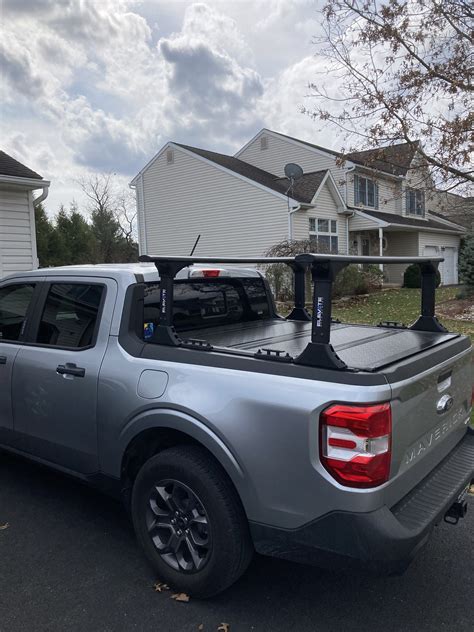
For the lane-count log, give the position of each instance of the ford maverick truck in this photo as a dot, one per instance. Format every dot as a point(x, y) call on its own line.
point(226, 428)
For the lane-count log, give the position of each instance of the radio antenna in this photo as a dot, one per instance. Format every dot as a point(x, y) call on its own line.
point(195, 245)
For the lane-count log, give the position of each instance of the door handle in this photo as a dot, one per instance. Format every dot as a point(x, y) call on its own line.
point(70, 369)
point(3, 359)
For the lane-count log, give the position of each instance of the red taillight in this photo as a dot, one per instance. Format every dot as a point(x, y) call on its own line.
point(355, 443)
point(210, 274)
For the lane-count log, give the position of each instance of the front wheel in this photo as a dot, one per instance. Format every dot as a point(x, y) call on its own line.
point(190, 522)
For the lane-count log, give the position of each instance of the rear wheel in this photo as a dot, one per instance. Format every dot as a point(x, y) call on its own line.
point(190, 522)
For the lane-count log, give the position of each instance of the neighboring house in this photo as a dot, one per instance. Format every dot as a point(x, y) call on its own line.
point(455, 208)
point(369, 202)
point(17, 216)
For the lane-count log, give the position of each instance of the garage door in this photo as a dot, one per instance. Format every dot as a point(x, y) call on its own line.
point(449, 265)
point(447, 268)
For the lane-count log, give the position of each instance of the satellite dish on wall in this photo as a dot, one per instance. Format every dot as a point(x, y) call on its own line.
point(293, 171)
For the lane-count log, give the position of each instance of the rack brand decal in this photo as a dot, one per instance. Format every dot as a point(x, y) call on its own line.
point(319, 310)
point(163, 301)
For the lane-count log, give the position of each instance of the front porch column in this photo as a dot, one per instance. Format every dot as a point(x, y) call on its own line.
point(381, 248)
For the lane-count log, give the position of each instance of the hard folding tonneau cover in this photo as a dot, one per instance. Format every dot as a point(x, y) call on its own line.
point(360, 347)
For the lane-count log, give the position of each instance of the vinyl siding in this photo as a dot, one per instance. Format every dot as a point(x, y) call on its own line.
point(437, 239)
point(17, 239)
point(390, 192)
point(192, 197)
point(362, 223)
point(281, 151)
point(326, 208)
point(399, 244)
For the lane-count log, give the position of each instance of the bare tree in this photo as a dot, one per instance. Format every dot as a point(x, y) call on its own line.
point(404, 73)
point(98, 189)
point(113, 218)
point(280, 275)
point(126, 215)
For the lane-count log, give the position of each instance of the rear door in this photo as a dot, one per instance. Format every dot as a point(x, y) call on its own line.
point(17, 298)
point(55, 377)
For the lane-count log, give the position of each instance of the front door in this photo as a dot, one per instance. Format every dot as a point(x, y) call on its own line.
point(365, 243)
point(16, 301)
point(56, 374)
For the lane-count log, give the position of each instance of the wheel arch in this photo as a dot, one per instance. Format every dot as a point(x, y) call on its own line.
point(157, 430)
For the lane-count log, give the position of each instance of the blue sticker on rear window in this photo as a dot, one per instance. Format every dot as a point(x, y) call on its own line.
point(148, 329)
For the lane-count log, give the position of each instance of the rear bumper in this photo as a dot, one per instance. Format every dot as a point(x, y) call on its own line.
point(383, 541)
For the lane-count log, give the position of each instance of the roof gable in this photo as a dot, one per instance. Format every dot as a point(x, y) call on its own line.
point(393, 159)
point(11, 167)
point(316, 148)
point(301, 193)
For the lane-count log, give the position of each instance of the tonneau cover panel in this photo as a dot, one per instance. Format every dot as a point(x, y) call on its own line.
point(361, 347)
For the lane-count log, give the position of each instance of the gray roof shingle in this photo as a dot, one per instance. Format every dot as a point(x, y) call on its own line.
point(306, 186)
point(395, 159)
point(392, 218)
point(11, 167)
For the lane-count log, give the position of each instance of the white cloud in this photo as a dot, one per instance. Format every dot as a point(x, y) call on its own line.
point(286, 96)
point(100, 86)
point(208, 83)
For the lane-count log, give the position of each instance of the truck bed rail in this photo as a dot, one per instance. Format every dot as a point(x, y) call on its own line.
point(324, 269)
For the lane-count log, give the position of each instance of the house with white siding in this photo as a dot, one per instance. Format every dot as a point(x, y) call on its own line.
point(17, 215)
point(370, 202)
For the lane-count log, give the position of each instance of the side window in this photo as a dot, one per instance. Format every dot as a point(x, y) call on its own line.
point(70, 315)
point(14, 303)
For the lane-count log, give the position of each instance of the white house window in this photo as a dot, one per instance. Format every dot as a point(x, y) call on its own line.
point(366, 192)
point(169, 156)
point(323, 232)
point(415, 202)
point(263, 142)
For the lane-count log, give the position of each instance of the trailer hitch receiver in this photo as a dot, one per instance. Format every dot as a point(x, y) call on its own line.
point(457, 511)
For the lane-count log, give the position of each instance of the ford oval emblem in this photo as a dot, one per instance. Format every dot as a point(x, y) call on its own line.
point(444, 404)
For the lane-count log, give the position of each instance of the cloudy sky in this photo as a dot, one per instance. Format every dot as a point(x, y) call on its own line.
point(100, 85)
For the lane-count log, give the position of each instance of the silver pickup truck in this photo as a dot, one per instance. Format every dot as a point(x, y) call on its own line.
point(228, 429)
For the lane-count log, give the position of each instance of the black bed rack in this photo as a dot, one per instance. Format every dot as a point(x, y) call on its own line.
point(324, 269)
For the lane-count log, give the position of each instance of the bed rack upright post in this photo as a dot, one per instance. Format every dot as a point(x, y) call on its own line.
point(427, 320)
point(299, 311)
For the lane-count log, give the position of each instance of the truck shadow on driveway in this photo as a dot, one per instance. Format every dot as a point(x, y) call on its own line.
point(69, 561)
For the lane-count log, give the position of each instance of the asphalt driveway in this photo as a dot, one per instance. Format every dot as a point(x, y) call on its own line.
point(69, 562)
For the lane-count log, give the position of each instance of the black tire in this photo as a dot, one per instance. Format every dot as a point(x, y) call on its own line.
point(193, 476)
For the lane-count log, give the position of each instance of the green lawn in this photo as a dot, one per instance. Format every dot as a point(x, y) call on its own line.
point(401, 304)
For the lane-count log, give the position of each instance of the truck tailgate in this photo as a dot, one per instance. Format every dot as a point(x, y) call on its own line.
point(430, 414)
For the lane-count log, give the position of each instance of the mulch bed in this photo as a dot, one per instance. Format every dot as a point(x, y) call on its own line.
point(457, 309)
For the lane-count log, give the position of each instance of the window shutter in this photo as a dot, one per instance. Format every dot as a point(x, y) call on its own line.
point(356, 191)
point(376, 195)
point(407, 201)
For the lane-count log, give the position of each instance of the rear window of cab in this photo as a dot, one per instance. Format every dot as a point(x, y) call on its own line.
point(203, 303)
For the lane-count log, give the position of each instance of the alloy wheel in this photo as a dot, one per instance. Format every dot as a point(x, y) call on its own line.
point(178, 526)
